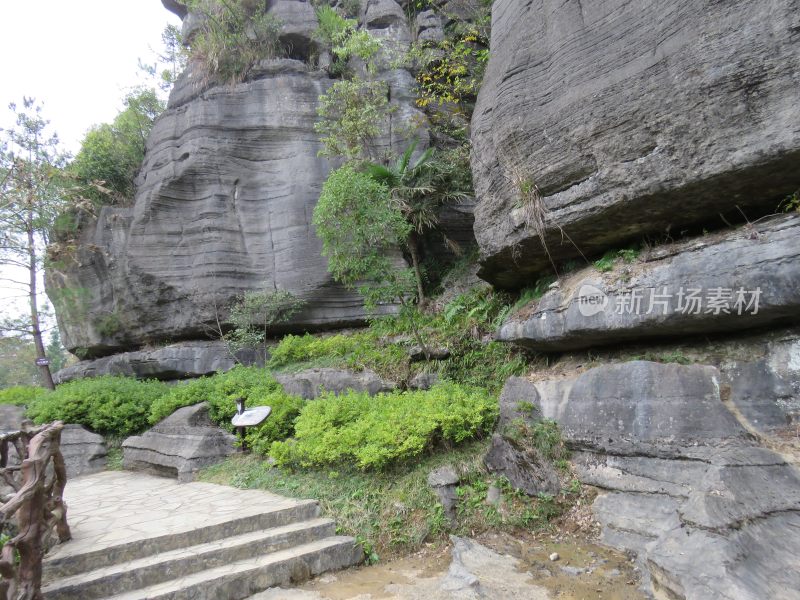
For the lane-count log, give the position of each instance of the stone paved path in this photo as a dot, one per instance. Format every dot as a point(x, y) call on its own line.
point(116, 507)
point(139, 536)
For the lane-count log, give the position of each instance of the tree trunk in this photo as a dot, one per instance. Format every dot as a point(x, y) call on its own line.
point(35, 326)
point(413, 248)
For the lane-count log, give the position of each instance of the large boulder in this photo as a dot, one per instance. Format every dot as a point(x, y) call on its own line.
point(179, 446)
point(600, 122)
point(745, 278)
point(84, 452)
point(684, 482)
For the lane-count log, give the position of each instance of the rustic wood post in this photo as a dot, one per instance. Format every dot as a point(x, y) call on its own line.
point(38, 505)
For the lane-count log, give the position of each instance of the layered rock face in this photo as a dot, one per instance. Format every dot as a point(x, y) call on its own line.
point(685, 483)
point(223, 205)
point(183, 360)
point(740, 279)
point(180, 445)
point(599, 122)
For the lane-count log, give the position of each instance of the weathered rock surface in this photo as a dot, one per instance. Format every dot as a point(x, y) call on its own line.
point(84, 452)
point(177, 361)
point(686, 484)
point(629, 118)
point(179, 446)
point(525, 468)
point(223, 205)
point(309, 384)
point(444, 481)
point(742, 279)
point(517, 402)
point(11, 417)
point(765, 387)
point(475, 573)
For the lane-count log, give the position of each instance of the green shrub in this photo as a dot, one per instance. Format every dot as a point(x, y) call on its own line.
point(280, 424)
point(220, 391)
point(606, 263)
point(107, 405)
point(352, 113)
point(375, 432)
point(21, 395)
point(235, 36)
point(258, 388)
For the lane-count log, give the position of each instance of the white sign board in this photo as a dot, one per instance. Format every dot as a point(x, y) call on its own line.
point(251, 416)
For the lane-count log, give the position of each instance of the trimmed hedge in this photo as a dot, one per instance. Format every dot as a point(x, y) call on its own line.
point(375, 432)
point(108, 405)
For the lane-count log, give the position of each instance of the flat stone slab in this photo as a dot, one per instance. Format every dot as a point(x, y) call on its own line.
point(176, 361)
point(115, 509)
point(742, 279)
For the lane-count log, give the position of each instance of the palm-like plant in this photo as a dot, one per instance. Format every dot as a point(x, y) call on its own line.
point(420, 188)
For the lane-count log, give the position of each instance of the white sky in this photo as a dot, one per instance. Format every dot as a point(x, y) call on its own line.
point(78, 58)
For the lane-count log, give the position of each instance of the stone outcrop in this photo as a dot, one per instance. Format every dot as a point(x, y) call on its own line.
point(223, 205)
point(597, 123)
point(686, 483)
point(84, 452)
point(310, 383)
point(11, 417)
point(183, 360)
point(746, 278)
point(444, 482)
point(179, 446)
point(525, 468)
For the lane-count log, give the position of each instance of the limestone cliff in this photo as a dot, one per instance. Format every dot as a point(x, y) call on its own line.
point(599, 122)
point(223, 205)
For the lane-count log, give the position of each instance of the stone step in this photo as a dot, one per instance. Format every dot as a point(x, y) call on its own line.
point(246, 577)
point(67, 562)
point(173, 564)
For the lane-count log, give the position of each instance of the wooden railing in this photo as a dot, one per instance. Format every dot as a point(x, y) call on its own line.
point(37, 481)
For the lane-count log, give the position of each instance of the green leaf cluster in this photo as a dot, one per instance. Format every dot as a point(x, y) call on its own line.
point(376, 432)
point(109, 405)
point(254, 384)
point(356, 351)
point(344, 40)
point(234, 37)
point(352, 114)
point(112, 153)
point(21, 395)
point(361, 229)
point(255, 312)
